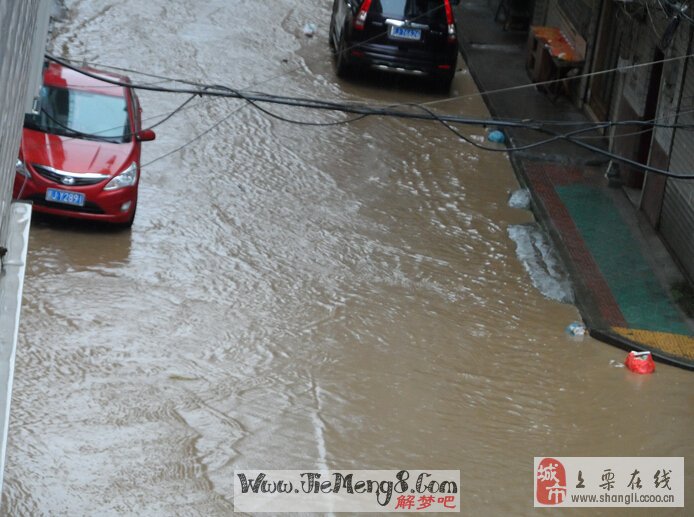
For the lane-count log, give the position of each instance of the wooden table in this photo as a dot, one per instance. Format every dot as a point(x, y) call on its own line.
point(551, 57)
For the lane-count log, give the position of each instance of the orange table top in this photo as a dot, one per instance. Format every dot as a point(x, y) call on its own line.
point(558, 45)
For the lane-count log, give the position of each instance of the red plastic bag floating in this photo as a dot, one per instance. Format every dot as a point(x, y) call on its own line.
point(640, 362)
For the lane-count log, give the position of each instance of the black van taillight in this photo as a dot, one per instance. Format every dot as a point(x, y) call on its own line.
point(450, 21)
point(360, 20)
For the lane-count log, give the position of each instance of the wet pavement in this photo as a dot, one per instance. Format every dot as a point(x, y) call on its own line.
point(298, 297)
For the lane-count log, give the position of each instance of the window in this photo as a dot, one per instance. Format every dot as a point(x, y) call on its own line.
point(82, 114)
point(420, 10)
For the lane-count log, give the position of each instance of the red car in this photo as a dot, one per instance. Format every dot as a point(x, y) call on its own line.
point(80, 152)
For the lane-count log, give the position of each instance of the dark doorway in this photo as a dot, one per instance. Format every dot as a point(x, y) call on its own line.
point(636, 178)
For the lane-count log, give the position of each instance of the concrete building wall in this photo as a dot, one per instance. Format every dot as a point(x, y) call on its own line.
point(643, 35)
point(677, 214)
point(578, 13)
point(667, 203)
point(644, 91)
point(20, 20)
point(641, 43)
point(23, 31)
point(670, 99)
point(672, 82)
point(540, 12)
point(638, 46)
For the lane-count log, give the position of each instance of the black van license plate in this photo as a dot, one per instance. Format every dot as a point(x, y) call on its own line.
point(406, 33)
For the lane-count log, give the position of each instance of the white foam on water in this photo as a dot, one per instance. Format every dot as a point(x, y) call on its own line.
point(540, 260)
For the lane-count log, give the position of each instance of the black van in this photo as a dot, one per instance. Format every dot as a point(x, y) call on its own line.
point(416, 37)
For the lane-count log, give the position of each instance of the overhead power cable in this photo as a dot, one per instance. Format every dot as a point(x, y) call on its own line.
point(508, 149)
point(164, 79)
point(98, 135)
point(518, 87)
point(359, 109)
point(196, 137)
point(300, 102)
point(254, 98)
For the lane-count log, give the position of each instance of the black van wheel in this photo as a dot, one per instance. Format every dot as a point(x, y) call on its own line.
point(443, 83)
point(342, 66)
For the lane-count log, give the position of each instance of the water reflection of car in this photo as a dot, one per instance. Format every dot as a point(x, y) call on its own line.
point(80, 152)
point(416, 37)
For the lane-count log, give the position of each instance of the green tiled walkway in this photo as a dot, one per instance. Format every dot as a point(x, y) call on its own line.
point(621, 263)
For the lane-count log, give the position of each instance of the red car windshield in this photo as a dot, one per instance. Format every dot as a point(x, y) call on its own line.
point(81, 114)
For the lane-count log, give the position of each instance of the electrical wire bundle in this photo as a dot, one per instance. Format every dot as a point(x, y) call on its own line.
point(359, 111)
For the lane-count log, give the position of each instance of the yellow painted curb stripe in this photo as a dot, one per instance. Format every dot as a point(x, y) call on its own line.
point(673, 344)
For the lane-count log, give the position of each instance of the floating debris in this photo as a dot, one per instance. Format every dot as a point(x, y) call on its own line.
point(576, 329)
point(640, 362)
point(496, 136)
point(520, 199)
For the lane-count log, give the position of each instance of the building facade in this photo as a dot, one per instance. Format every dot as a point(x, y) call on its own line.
point(638, 67)
point(23, 32)
point(23, 28)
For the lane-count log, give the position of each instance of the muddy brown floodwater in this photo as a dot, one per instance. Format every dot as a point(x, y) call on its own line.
point(299, 297)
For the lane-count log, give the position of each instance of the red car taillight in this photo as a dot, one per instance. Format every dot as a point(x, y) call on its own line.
point(450, 21)
point(360, 20)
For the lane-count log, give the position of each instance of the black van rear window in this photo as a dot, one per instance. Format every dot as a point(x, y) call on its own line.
point(421, 10)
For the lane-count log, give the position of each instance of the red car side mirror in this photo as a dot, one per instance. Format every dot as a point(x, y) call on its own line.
point(146, 135)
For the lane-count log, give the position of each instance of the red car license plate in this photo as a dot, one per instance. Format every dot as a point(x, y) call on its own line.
point(66, 197)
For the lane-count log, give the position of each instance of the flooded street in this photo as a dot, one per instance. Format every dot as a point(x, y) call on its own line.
point(299, 297)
